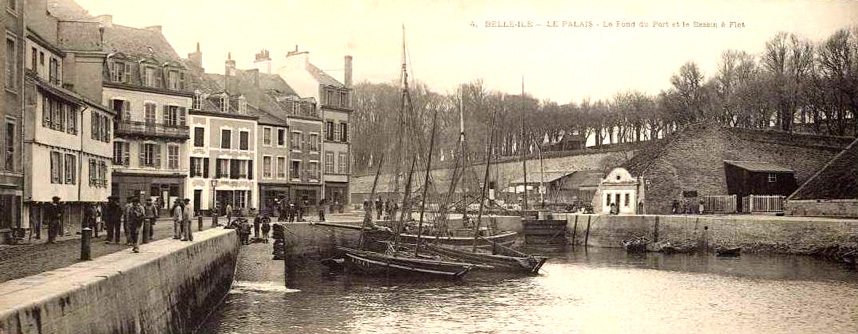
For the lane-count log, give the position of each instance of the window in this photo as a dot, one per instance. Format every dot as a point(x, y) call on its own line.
point(314, 142)
point(266, 136)
point(266, 167)
point(344, 99)
point(314, 170)
point(102, 173)
point(151, 77)
point(296, 141)
point(71, 119)
point(93, 172)
point(772, 178)
point(174, 116)
point(54, 71)
point(150, 155)
point(34, 60)
point(122, 109)
point(11, 60)
point(329, 130)
point(10, 146)
point(100, 127)
point(242, 105)
point(281, 137)
point(107, 124)
point(56, 115)
point(69, 169)
point(56, 167)
point(343, 163)
point(242, 168)
point(224, 103)
point(173, 157)
point(295, 169)
point(149, 113)
point(240, 199)
point(344, 132)
point(281, 167)
point(626, 200)
point(225, 138)
point(198, 100)
point(119, 71)
point(121, 153)
point(196, 167)
point(199, 136)
point(329, 97)
point(329, 162)
point(41, 58)
point(607, 200)
point(222, 168)
point(173, 80)
point(243, 140)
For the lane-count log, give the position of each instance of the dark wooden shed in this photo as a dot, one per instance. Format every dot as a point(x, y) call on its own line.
point(758, 178)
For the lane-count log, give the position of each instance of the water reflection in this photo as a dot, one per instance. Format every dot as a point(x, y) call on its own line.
point(600, 291)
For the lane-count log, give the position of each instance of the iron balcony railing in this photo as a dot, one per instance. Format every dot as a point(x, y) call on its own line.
point(152, 129)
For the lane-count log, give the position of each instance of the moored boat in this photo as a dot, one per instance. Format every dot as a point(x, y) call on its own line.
point(378, 263)
point(522, 263)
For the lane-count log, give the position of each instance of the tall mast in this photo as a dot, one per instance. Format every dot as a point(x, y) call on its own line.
point(400, 148)
point(368, 213)
point(485, 180)
point(426, 181)
point(522, 141)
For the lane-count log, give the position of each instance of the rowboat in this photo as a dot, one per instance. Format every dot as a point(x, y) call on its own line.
point(522, 263)
point(374, 263)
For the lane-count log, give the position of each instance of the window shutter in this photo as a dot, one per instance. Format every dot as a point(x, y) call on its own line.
point(166, 116)
point(94, 122)
point(157, 155)
point(205, 167)
point(192, 171)
point(182, 116)
point(218, 170)
point(250, 169)
point(127, 111)
point(142, 154)
point(107, 125)
point(233, 169)
point(336, 132)
point(126, 154)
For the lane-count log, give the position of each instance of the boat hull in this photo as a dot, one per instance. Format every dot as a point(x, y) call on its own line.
point(522, 264)
point(504, 239)
point(373, 263)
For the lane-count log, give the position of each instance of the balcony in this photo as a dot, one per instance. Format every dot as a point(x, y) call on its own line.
point(134, 128)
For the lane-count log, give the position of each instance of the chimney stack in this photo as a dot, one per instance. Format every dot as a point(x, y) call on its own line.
point(230, 65)
point(196, 58)
point(263, 61)
point(347, 77)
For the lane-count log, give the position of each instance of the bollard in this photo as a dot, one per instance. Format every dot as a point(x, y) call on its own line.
point(147, 224)
point(214, 220)
point(85, 244)
point(199, 223)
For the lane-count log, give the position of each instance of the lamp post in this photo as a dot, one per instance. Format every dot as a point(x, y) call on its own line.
point(214, 203)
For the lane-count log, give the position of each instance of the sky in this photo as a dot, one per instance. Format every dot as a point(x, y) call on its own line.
point(449, 42)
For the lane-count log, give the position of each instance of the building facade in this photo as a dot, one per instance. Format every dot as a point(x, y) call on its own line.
point(11, 119)
point(273, 161)
point(145, 84)
point(334, 107)
point(68, 133)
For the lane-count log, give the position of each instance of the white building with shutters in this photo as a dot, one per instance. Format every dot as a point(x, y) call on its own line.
point(146, 85)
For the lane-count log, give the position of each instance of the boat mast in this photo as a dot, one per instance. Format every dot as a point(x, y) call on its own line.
point(485, 179)
point(426, 181)
point(441, 219)
point(400, 129)
point(521, 151)
point(368, 215)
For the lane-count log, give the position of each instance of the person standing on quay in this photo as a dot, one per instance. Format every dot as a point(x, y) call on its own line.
point(299, 211)
point(135, 216)
point(178, 226)
point(266, 227)
point(228, 213)
point(113, 219)
point(187, 217)
point(88, 217)
point(378, 208)
point(55, 216)
point(151, 213)
point(256, 224)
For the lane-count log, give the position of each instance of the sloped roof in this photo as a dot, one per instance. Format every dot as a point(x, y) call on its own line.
point(139, 42)
point(759, 166)
point(323, 77)
point(584, 178)
point(837, 180)
point(537, 177)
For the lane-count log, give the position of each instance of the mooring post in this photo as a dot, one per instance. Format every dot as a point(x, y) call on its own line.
point(655, 230)
point(587, 236)
point(574, 232)
point(200, 223)
point(85, 244)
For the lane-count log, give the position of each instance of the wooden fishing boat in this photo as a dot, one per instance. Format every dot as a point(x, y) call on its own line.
point(383, 264)
point(523, 263)
point(638, 245)
point(505, 238)
point(728, 252)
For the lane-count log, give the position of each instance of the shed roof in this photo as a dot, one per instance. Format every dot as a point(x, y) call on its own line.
point(537, 177)
point(759, 166)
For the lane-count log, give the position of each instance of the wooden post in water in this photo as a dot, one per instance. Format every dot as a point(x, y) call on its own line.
point(587, 236)
point(655, 230)
point(574, 232)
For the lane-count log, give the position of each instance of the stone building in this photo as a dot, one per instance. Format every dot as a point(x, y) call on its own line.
point(12, 169)
point(145, 84)
point(67, 132)
point(335, 107)
point(618, 188)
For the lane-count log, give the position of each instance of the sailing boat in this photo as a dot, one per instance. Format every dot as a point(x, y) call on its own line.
point(393, 261)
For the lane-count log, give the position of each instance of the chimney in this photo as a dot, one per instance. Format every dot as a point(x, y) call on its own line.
point(196, 58)
point(347, 76)
point(230, 65)
point(263, 61)
point(105, 20)
point(154, 28)
point(297, 60)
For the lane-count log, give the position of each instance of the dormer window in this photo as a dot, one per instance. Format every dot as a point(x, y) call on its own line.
point(176, 80)
point(296, 108)
point(344, 99)
point(152, 77)
point(329, 96)
point(119, 71)
point(242, 105)
point(198, 100)
point(224, 103)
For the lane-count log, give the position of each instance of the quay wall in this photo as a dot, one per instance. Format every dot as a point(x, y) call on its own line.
point(771, 234)
point(169, 287)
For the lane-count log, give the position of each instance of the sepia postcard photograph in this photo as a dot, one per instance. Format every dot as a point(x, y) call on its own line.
point(429, 166)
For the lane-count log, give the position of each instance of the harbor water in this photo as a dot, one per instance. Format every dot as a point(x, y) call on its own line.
point(599, 291)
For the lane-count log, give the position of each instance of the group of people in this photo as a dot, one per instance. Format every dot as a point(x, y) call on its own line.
point(136, 219)
point(387, 209)
point(261, 228)
point(290, 211)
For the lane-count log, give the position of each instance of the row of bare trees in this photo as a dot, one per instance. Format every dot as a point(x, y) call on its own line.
point(794, 85)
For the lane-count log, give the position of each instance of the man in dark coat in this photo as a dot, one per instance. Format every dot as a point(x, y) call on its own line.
point(54, 215)
point(113, 219)
point(378, 208)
